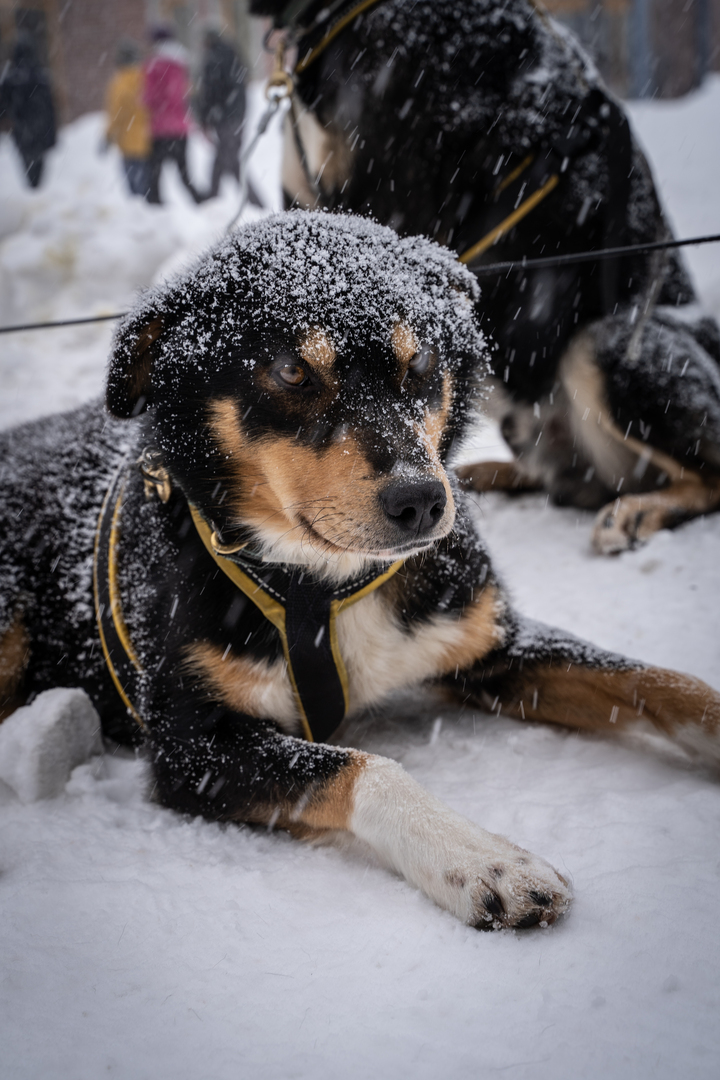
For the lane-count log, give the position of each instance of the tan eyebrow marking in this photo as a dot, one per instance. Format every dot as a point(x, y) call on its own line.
point(404, 343)
point(316, 348)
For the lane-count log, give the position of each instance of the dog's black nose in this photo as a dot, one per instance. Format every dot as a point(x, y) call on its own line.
point(414, 507)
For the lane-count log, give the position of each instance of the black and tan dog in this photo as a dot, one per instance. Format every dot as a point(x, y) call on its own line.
point(263, 538)
point(483, 125)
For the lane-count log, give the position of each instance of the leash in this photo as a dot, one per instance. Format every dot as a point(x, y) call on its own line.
point(302, 609)
point(488, 270)
point(495, 269)
point(279, 87)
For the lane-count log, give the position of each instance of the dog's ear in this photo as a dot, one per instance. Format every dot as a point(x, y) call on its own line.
point(129, 380)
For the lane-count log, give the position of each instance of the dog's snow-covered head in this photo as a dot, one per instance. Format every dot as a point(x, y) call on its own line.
point(304, 384)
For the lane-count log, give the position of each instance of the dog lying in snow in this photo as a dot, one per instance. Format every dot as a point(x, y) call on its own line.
point(485, 126)
point(263, 538)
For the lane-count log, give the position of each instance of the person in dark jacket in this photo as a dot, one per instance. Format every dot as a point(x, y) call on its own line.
point(27, 101)
point(221, 108)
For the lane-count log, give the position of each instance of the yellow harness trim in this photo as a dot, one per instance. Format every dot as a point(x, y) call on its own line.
point(507, 180)
point(308, 59)
point(512, 219)
point(115, 599)
point(116, 612)
point(271, 608)
point(275, 612)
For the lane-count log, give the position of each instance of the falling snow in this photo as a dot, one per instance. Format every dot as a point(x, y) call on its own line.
point(138, 943)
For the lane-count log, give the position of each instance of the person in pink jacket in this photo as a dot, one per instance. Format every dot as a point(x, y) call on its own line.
point(166, 97)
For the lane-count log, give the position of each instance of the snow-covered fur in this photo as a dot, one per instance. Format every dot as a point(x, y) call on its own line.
point(440, 117)
point(299, 391)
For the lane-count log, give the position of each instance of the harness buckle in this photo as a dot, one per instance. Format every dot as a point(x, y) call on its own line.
point(156, 478)
point(280, 84)
point(224, 549)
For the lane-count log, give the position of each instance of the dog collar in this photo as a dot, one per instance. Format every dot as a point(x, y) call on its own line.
point(304, 611)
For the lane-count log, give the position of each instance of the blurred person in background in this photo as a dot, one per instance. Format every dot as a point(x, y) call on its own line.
point(128, 122)
point(26, 101)
point(166, 95)
point(221, 108)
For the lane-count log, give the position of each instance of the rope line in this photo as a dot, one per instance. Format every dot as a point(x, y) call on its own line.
point(63, 322)
point(480, 271)
point(590, 256)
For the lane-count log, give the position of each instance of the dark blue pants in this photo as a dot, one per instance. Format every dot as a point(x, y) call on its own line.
point(137, 176)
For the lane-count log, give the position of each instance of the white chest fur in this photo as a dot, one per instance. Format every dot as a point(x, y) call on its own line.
point(380, 656)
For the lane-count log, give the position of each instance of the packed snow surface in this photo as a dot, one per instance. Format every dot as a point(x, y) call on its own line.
point(137, 944)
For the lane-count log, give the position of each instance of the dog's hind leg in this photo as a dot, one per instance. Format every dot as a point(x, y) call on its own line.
point(545, 674)
point(14, 656)
point(675, 384)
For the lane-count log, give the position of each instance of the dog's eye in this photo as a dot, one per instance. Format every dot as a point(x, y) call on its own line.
point(421, 361)
point(291, 374)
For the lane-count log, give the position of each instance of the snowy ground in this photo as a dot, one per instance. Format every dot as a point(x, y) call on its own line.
point(137, 944)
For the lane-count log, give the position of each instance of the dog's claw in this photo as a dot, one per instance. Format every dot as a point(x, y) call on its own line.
point(528, 893)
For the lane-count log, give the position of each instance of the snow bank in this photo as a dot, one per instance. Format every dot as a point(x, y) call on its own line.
point(42, 743)
point(139, 944)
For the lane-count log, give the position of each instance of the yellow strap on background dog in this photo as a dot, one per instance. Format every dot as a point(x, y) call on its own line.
point(512, 219)
point(332, 32)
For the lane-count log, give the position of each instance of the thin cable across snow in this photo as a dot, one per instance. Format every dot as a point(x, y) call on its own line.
point(480, 271)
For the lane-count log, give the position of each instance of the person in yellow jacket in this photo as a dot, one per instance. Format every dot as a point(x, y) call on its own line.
point(128, 123)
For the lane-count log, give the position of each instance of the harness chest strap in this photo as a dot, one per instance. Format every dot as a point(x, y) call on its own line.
point(303, 611)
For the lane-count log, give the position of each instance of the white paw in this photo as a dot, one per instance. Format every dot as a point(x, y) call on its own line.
point(482, 878)
point(492, 884)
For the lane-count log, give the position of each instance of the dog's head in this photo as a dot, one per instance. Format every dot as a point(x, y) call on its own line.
point(305, 383)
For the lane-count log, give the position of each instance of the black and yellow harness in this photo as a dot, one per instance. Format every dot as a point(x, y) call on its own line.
point(516, 194)
point(301, 607)
point(527, 184)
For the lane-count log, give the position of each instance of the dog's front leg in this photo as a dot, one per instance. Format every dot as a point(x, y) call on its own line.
point(231, 767)
point(480, 877)
point(496, 476)
point(546, 674)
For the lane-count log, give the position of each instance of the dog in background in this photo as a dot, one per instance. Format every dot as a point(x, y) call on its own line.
point(485, 126)
point(263, 537)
